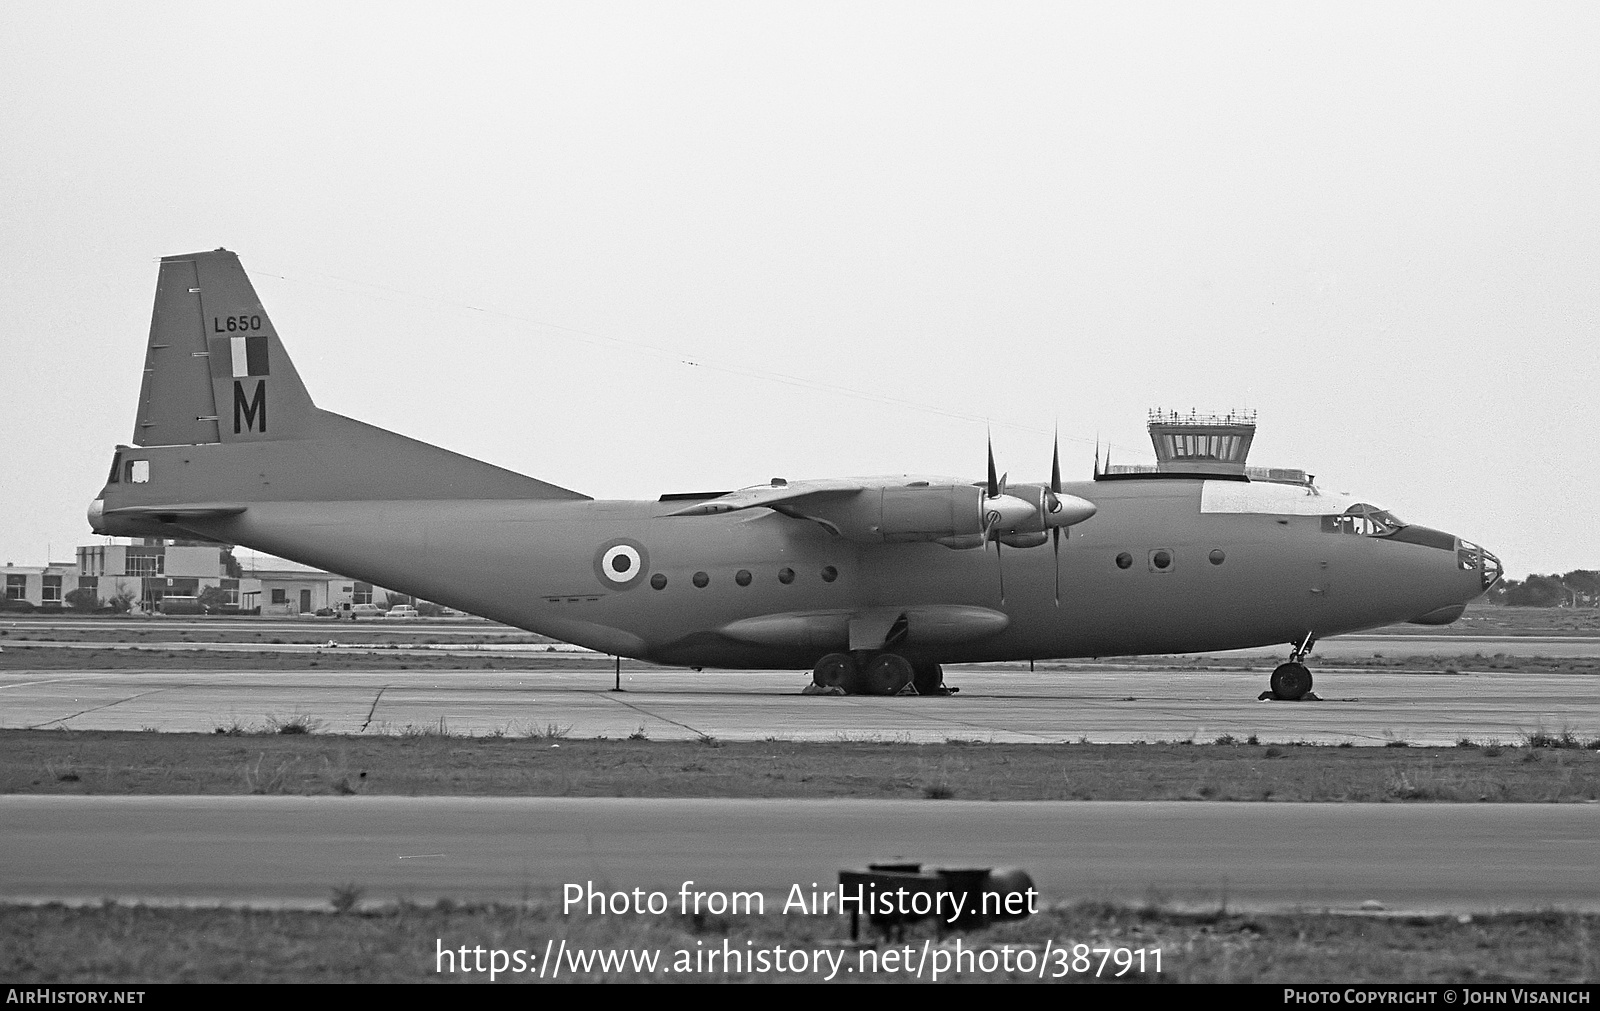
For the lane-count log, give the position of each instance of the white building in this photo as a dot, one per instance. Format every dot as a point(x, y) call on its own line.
point(40, 585)
point(151, 570)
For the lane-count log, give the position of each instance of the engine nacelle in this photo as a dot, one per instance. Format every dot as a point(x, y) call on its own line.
point(917, 512)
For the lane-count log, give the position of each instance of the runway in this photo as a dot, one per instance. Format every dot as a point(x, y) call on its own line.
point(1345, 648)
point(294, 850)
point(1011, 705)
point(1446, 687)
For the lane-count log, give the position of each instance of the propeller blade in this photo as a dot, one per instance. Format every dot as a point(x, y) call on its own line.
point(1055, 489)
point(1055, 544)
point(1000, 568)
point(994, 483)
point(1055, 466)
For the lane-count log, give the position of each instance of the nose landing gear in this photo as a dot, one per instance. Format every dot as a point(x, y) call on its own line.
point(1291, 682)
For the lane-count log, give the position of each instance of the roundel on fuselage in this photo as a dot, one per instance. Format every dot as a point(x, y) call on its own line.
point(621, 564)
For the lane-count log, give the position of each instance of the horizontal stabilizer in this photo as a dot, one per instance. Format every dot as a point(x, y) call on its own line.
point(183, 512)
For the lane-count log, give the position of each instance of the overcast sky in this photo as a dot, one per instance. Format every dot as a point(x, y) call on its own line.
point(638, 248)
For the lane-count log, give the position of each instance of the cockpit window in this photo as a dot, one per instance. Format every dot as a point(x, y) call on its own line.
point(1363, 520)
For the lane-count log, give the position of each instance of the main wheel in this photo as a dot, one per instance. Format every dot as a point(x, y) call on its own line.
point(928, 677)
point(886, 674)
point(836, 670)
point(1291, 681)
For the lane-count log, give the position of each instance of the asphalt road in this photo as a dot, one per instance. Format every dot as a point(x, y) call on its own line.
point(295, 850)
point(1103, 705)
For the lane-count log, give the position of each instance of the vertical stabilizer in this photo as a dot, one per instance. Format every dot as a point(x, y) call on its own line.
point(214, 370)
point(216, 376)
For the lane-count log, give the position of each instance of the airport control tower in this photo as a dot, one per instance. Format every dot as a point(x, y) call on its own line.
point(1215, 445)
point(1201, 443)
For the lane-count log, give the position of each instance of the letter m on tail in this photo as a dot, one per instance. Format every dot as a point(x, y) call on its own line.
point(250, 413)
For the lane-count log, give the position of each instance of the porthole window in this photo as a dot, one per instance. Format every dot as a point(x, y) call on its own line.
point(659, 581)
point(1161, 559)
point(1124, 560)
point(829, 574)
point(742, 577)
point(701, 579)
point(1216, 556)
point(785, 575)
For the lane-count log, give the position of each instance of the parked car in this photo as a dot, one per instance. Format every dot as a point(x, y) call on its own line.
point(402, 611)
point(365, 611)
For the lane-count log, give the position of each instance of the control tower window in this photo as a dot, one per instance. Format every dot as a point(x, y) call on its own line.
point(1363, 520)
point(1202, 446)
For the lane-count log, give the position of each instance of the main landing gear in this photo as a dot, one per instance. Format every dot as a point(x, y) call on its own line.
point(1291, 682)
point(872, 673)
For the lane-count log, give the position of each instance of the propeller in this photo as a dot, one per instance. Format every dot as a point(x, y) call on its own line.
point(1025, 515)
point(992, 494)
point(1053, 503)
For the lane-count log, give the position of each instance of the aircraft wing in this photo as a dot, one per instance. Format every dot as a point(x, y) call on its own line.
point(791, 495)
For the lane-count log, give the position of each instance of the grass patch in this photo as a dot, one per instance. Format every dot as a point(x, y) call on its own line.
point(428, 760)
point(1563, 739)
point(299, 723)
point(345, 898)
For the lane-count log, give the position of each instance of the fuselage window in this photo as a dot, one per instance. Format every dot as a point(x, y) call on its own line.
point(1161, 559)
point(138, 471)
point(1216, 556)
point(1124, 560)
point(829, 574)
point(785, 575)
point(701, 579)
point(659, 581)
point(742, 577)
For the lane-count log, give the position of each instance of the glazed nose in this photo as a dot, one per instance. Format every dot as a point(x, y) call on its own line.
point(1473, 558)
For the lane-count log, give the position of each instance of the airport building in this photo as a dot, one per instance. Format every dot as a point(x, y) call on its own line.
point(41, 585)
point(153, 570)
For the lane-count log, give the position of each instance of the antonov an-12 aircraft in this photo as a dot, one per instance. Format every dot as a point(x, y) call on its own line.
point(872, 583)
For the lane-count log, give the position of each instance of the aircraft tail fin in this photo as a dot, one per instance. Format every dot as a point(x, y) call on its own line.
point(224, 421)
point(214, 369)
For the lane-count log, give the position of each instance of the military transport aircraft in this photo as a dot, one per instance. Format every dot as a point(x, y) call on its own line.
point(871, 583)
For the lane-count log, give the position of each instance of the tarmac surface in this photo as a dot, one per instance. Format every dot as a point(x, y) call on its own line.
point(1101, 704)
point(1422, 687)
point(293, 851)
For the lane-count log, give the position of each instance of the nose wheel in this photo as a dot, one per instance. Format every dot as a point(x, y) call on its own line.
point(1291, 682)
